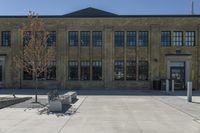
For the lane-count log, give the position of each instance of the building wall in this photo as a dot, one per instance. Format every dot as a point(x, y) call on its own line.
point(108, 53)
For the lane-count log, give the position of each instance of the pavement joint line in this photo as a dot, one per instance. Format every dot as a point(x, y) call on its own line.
point(180, 110)
point(71, 116)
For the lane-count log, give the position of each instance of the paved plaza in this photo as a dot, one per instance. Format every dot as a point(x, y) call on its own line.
point(119, 111)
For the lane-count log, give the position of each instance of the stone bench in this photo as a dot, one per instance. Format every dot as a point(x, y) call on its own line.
point(57, 105)
point(73, 95)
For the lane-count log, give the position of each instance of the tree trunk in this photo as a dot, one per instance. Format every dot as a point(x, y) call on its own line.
point(36, 88)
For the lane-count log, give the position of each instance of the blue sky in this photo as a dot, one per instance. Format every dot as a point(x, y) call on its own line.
point(123, 7)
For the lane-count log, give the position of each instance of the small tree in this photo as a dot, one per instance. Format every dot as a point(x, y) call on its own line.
point(35, 55)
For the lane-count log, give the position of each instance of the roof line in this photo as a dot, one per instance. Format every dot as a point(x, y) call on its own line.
point(118, 16)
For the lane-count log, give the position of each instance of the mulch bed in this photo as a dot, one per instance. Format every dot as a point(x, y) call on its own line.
point(8, 101)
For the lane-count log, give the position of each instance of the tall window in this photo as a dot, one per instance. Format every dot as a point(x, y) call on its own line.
point(85, 38)
point(85, 70)
point(96, 70)
point(73, 70)
point(131, 38)
point(51, 40)
point(131, 70)
point(143, 70)
point(73, 38)
point(97, 38)
point(119, 39)
point(26, 75)
point(143, 39)
point(6, 38)
point(190, 38)
point(26, 37)
point(51, 71)
point(166, 38)
point(119, 70)
point(178, 38)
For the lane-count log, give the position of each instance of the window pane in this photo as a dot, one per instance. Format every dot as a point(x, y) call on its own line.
point(73, 70)
point(85, 70)
point(51, 40)
point(51, 71)
point(6, 38)
point(97, 70)
point(27, 75)
point(85, 38)
point(73, 38)
point(190, 38)
point(97, 38)
point(119, 70)
point(166, 39)
point(119, 39)
point(178, 38)
point(143, 70)
point(131, 38)
point(131, 70)
point(143, 39)
point(26, 37)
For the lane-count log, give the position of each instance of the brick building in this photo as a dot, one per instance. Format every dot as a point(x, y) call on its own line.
point(98, 49)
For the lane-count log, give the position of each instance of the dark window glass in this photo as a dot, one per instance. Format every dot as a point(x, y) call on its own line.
point(73, 38)
point(85, 38)
point(97, 70)
point(73, 70)
point(143, 39)
point(6, 38)
point(119, 39)
point(51, 71)
point(190, 38)
point(131, 38)
point(97, 38)
point(119, 70)
point(178, 38)
point(51, 40)
point(26, 38)
point(131, 70)
point(41, 76)
point(166, 39)
point(27, 75)
point(85, 70)
point(143, 70)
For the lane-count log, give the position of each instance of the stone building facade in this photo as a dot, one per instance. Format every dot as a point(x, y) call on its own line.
point(98, 49)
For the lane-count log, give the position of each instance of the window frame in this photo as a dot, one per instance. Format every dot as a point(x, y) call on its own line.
point(131, 38)
point(166, 40)
point(97, 66)
point(85, 38)
point(119, 39)
point(192, 39)
point(72, 65)
point(178, 39)
point(6, 38)
point(75, 38)
point(119, 64)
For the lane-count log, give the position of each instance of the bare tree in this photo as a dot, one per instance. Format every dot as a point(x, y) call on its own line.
point(35, 55)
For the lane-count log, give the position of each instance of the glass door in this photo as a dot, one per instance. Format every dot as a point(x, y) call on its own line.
point(178, 75)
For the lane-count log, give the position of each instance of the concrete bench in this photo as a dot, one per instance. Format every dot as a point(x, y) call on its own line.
point(73, 95)
point(57, 105)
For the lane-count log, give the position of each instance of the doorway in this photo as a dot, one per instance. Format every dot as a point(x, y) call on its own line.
point(1, 72)
point(178, 75)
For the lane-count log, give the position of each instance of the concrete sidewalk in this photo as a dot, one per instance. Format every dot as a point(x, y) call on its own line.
point(109, 112)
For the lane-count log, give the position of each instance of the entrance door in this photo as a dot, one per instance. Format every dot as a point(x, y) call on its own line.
point(1, 72)
point(178, 75)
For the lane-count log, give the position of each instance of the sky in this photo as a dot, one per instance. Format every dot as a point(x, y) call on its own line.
point(121, 7)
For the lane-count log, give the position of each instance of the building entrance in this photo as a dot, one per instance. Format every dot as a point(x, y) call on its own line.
point(178, 75)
